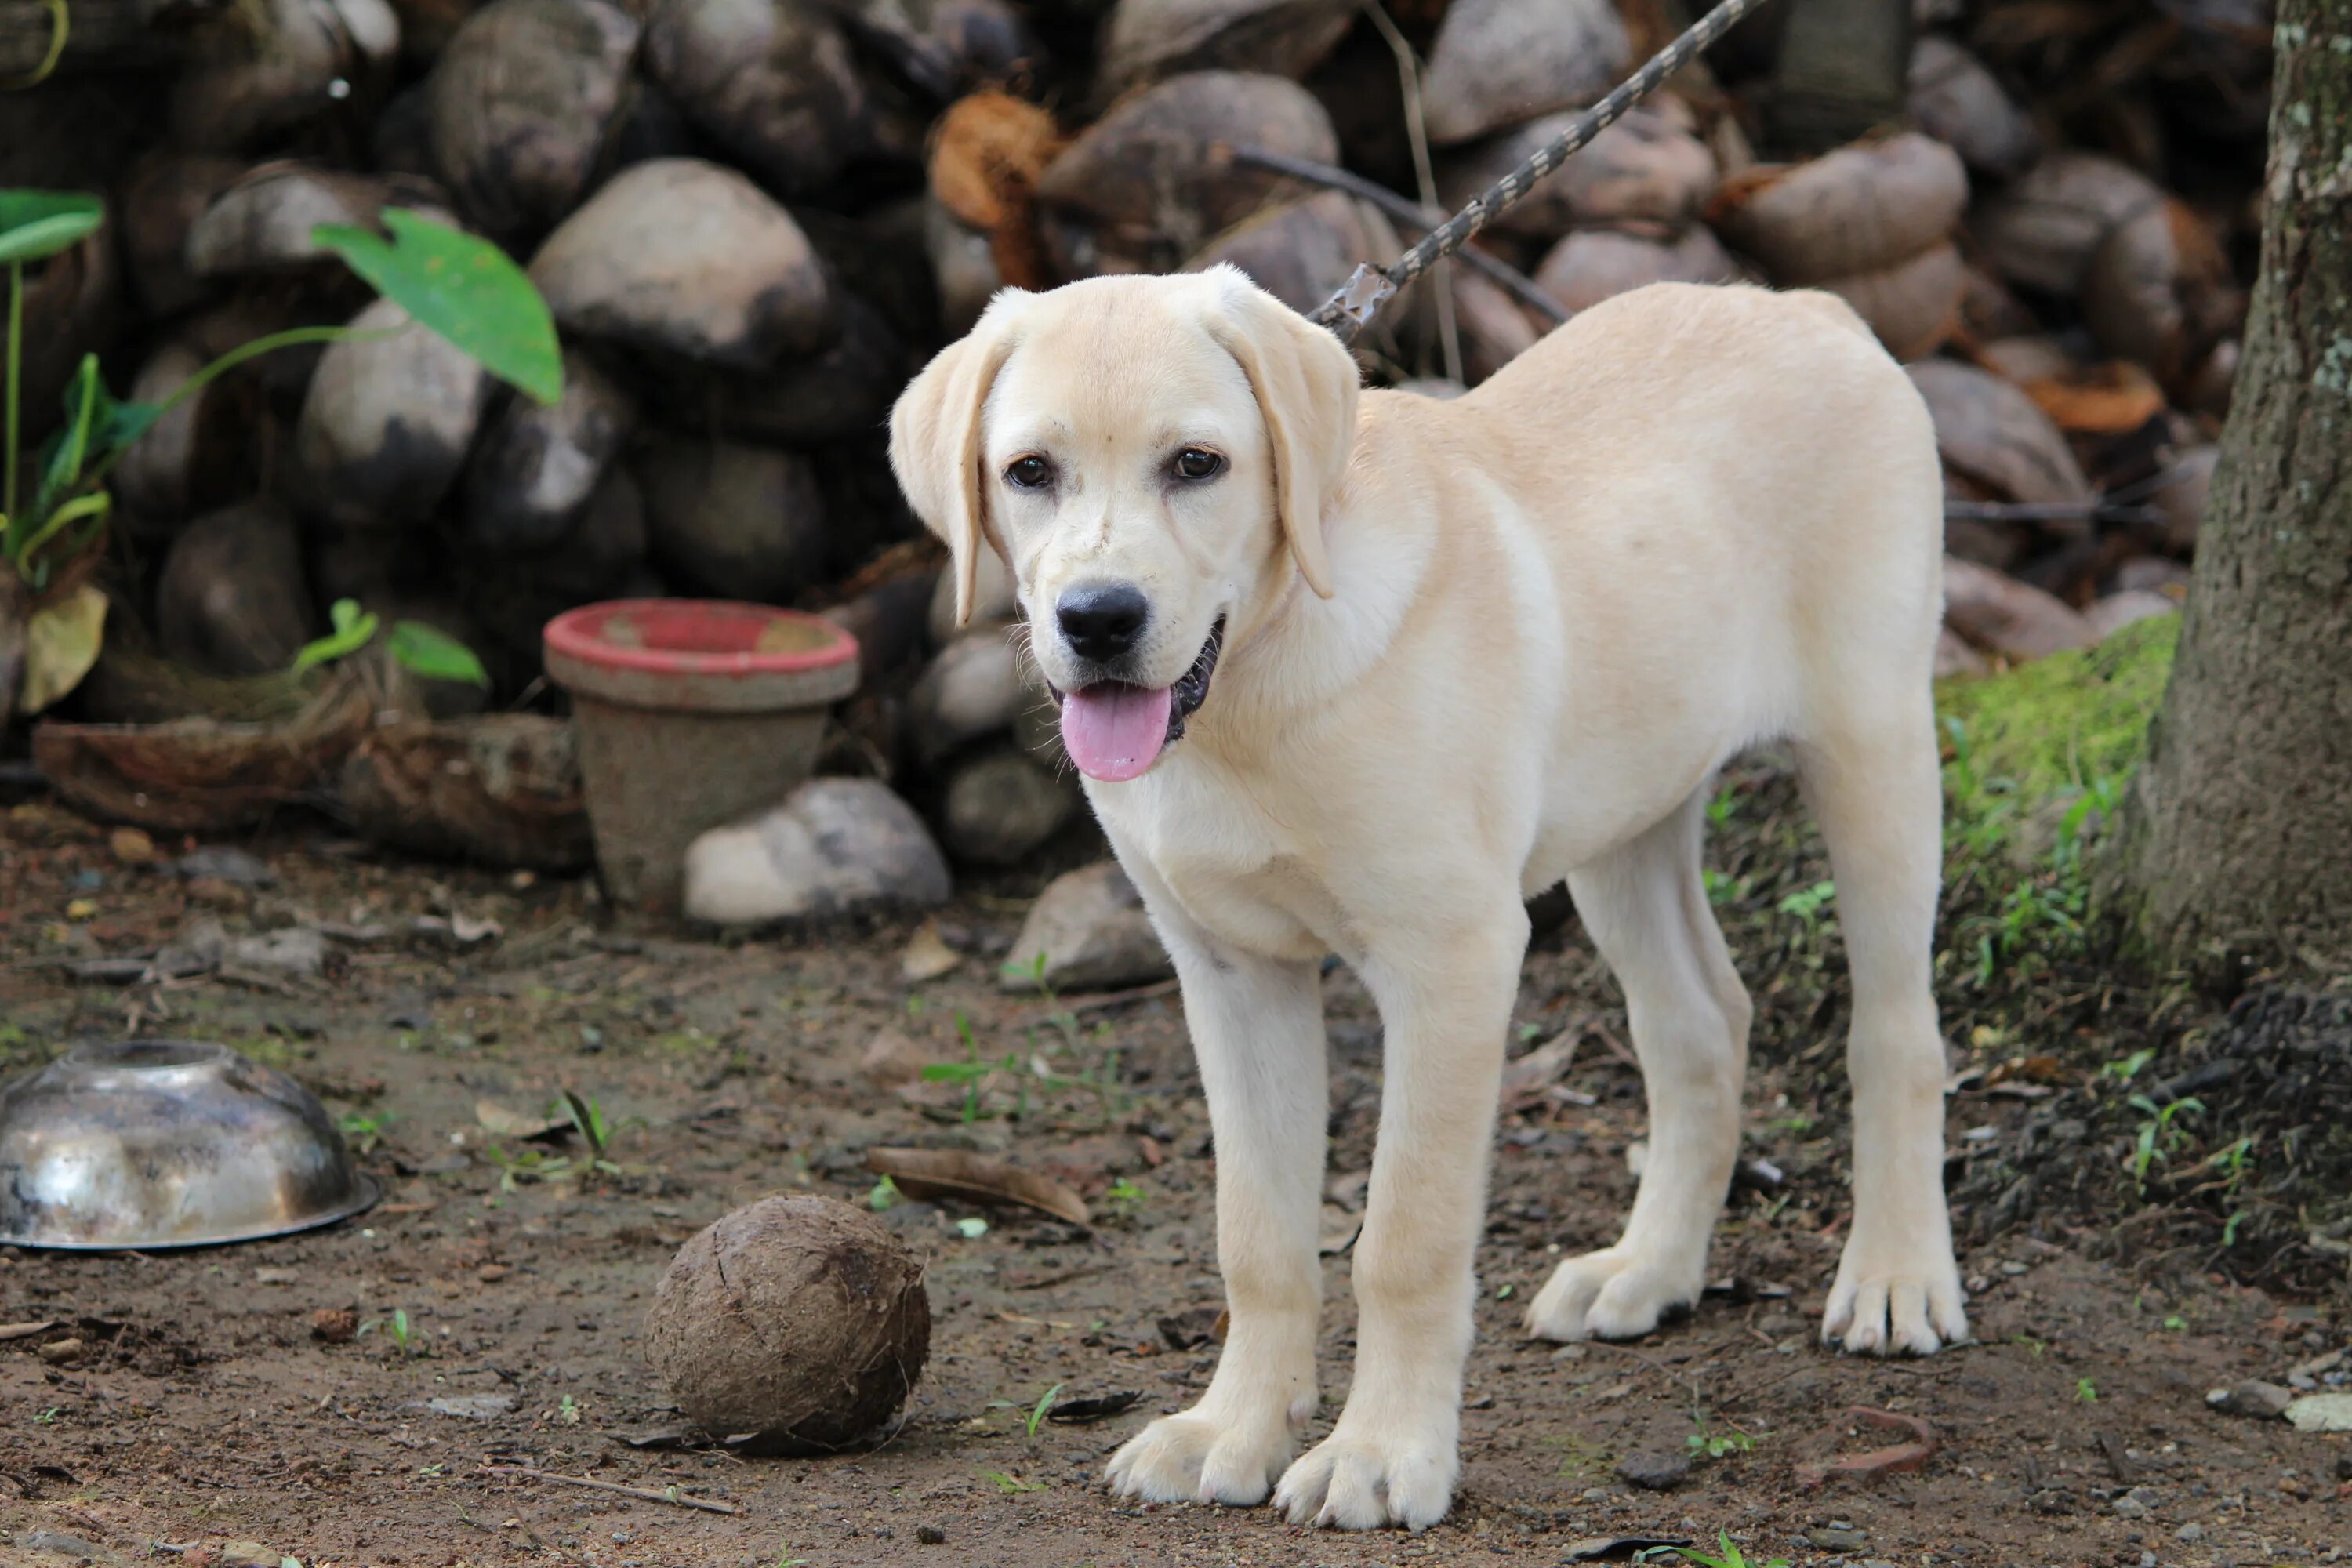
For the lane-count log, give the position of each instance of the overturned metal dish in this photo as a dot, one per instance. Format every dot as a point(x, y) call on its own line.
point(156, 1143)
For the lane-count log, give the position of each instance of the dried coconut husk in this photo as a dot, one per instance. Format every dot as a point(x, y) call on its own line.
point(2112, 399)
point(1988, 311)
point(795, 1317)
point(1147, 40)
point(1494, 327)
point(987, 154)
point(2038, 356)
point(263, 222)
point(1594, 264)
point(774, 82)
point(686, 257)
point(1301, 252)
point(1993, 434)
point(1142, 188)
point(259, 71)
point(2042, 231)
point(160, 202)
point(523, 102)
point(501, 790)
point(427, 26)
point(197, 456)
point(2158, 291)
point(233, 598)
point(73, 306)
point(1860, 209)
point(536, 464)
point(844, 392)
point(2179, 501)
point(1958, 101)
point(1497, 62)
point(1914, 306)
point(963, 261)
point(203, 775)
point(2210, 386)
point(386, 423)
point(2008, 618)
point(944, 47)
point(1646, 174)
point(732, 519)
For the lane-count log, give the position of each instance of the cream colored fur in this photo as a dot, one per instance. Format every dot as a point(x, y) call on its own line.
point(1691, 520)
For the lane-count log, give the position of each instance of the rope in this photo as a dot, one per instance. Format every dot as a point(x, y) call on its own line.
point(1348, 312)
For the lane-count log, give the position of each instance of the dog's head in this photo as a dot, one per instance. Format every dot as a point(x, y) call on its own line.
point(1151, 455)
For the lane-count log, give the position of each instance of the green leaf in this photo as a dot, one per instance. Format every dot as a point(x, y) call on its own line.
point(432, 655)
point(462, 287)
point(354, 627)
point(61, 643)
point(35, 225)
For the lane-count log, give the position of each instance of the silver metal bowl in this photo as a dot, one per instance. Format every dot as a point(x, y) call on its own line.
point(156, 1143)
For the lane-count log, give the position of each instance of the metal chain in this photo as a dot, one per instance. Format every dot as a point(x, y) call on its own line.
point(1348, 312)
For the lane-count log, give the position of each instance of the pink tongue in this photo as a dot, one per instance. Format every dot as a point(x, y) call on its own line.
point(1114, 732)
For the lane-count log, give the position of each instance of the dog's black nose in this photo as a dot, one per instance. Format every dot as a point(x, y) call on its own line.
point(1102, 623)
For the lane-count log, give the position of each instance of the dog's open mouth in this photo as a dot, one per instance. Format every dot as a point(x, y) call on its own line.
point(1115, 732)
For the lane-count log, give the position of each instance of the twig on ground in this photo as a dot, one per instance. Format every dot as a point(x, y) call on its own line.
point(673, 1496)
point(1096, 1004)
point(1449, 334)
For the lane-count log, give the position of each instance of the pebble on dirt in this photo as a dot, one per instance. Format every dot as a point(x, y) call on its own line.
point(835, 846)
point(1654, 1471)
point(1087, 931)
point(2254, 1397)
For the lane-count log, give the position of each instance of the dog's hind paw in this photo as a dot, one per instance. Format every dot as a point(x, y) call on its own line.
point(1894, 1304)
point(1351, 1482)
point(1194, 1458)
point(1609, 1295)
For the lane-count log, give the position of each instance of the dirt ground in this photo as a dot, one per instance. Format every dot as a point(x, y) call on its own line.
point(2074, 1430)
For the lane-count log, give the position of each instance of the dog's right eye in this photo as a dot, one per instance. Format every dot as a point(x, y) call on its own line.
point(1029, 473)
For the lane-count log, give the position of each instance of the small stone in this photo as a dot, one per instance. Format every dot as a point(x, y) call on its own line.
point(2321, 1412)
point(2264, 1401)
point(131, 847)
point(931, 1535)
point(2129, 1506)
point(491, 1273)
point(1654, 1472)
point(835, 846)
point(2013, 1270)
point(473, 1406)
point(222, 863)
point(2189, 1532)
point(1833, 1538)
point(62, 1353)
point(1087, 931)
point(248, 1554)
point(1002, 806)
point(299, 950)
point(334, 1325)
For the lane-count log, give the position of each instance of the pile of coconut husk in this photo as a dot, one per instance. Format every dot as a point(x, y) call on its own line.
point(753, 219)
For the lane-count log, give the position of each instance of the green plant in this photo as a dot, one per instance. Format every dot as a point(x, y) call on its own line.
point(454, 284)
point(972, 1071)
point(1807, 903)
point(569, 1413)
point(362, 1132)
point(48, 1418)
point(1036, 1416)
point(2085, 1391)
point(530, 1165)
point(1705, 1444)
point(395, 1329)
point(1011, 1486)
point(1125, 1198)
point(883, 1194)
point(424, 652)
point(1730, 1555)
point(2158, 1139)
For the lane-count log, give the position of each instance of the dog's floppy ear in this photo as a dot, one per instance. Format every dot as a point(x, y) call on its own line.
point(1306, 383)
point(935, 441)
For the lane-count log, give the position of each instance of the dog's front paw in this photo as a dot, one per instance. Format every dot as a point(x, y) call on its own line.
point(1366, 1480)
point(1199, 1457)
point(1893, 1298)
point(1609, 1295)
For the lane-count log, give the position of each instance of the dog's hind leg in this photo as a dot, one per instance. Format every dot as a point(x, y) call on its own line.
point(1869, 774)
point(1257, 1031)
point(1646, 907)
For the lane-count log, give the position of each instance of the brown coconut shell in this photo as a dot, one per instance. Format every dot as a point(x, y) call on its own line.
point(795, 1317)
point(2180, 500)
point(1497, 62)
point(686, 257)
point(1147, 40)
point(513, 597)
point(161, 203)
point(844, 392)
point(73, 306)
point(2006, 617)
point(201, 775)
point(1955, 100)
point(1862, 208)
point(1495, 328)
point(2042, 231)
point(2037, 356)
point(263, 222)
point(386, 423)
point(2158, 291)
point(500, 790)
point(1596, 263)
point(963, 261)
point(732, 519)
point(2111, 399)
point(773, 83)
point(1002, 805)
point(1913, 306)
point(523, 102)
point(2210, 386)
point(1301, 252)
point(987, 154)
point(1142, 188)
point(1993, 434)
point(944, 47)
point(1645, 173)
point(536, 464)
point(233, 598)
point(256, 72)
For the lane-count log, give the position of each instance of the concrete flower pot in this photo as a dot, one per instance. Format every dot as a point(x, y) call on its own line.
point(691, 714)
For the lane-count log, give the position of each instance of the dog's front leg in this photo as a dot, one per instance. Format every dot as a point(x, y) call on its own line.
point(1258, 1030)
point(1445, 999)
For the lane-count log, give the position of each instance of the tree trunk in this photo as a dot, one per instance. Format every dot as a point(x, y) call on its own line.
point(2236, 848)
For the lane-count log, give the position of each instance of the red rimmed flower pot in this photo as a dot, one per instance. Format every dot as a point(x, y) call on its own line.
point(692, 713)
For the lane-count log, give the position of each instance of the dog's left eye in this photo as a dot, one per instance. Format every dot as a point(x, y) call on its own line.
point(1199, 463)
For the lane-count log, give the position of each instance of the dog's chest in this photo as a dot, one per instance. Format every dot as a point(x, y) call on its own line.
point(1237, 874)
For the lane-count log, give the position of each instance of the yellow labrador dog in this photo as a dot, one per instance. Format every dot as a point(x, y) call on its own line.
point(1357, 672)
